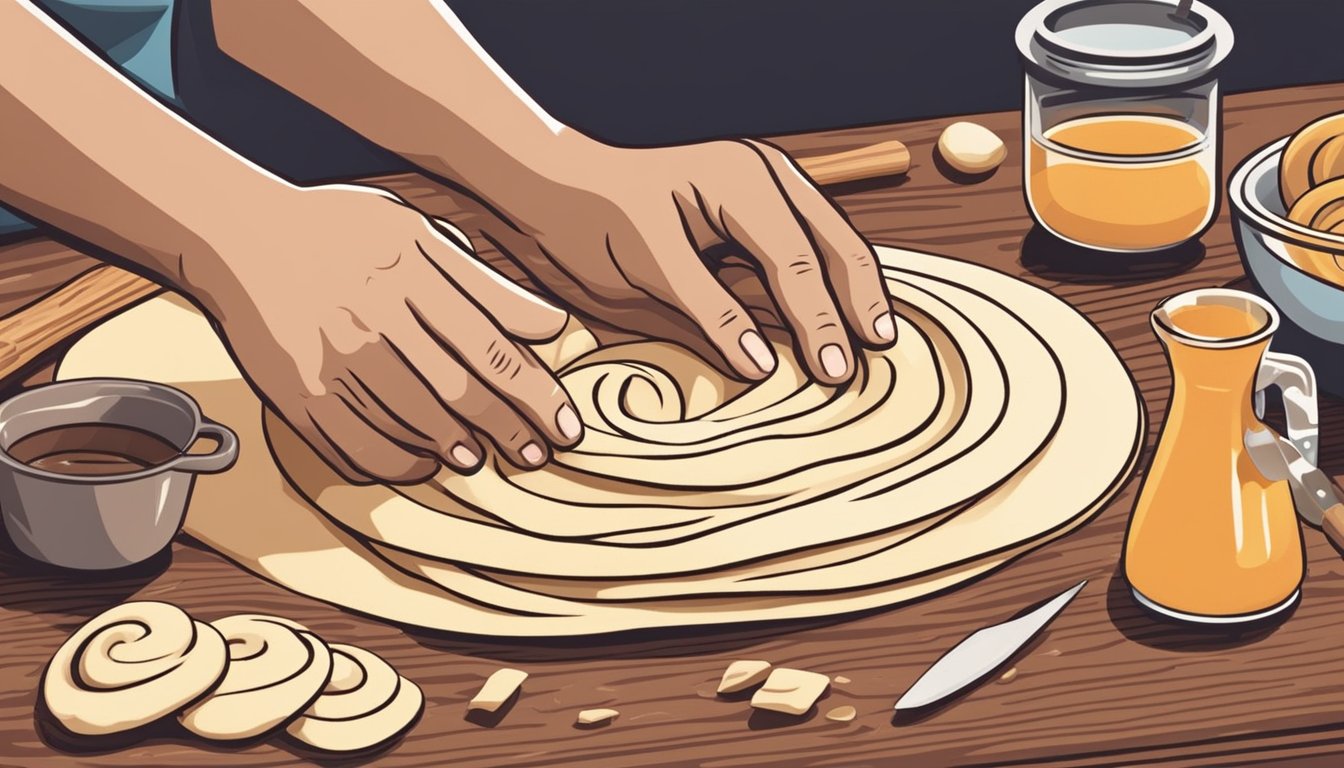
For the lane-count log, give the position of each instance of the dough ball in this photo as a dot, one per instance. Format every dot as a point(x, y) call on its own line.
point(130, 666)
point(971, 148)
point(276, 669)
point(364, 704)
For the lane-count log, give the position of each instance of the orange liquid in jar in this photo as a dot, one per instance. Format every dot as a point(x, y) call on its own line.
point(1211, 535)
point(1122, 182)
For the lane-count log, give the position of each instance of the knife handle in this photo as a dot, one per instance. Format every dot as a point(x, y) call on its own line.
point(1333, 525)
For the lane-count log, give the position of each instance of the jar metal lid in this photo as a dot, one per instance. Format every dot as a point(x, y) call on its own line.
point(1123, 43)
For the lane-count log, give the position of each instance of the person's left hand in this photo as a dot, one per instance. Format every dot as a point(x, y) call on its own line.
point(618, 236)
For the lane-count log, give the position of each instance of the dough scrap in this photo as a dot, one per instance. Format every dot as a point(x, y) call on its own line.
point(131, 665)
point(790, 691)
point(538, 581)
point(365, 704)
point(741, 675)
point(499, 688)
point(276, 668)
point(596, 716)
point(842, 714)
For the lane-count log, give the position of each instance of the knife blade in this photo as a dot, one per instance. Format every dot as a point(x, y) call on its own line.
point(983, 651)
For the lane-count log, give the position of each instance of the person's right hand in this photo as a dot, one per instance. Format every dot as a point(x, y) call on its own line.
point(382, 342)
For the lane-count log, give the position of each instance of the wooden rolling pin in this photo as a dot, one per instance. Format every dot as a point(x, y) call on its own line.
point(104, 290)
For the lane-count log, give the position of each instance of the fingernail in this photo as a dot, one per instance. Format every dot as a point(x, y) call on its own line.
point(885, 327)
point(532, 453)
point(568, 422)
point(756, 349)
point(463, 455)
point(833, 361)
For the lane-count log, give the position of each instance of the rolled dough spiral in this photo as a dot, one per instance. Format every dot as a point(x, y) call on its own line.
point(276, 667)
point(1000, 420)
point(364, 704)
point(130, 666)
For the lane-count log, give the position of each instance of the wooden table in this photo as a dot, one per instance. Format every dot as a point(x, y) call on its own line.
point(1105, 685)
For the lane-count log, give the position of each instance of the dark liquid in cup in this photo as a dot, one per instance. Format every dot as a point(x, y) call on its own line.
point(93, 449)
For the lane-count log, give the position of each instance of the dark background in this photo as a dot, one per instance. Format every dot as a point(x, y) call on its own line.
point(650, 71)
point(642, 72)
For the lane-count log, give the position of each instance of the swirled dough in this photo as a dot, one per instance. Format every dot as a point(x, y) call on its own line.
point(1000, 420)
point(276, 667)
point(131, 665)
point(364, 704)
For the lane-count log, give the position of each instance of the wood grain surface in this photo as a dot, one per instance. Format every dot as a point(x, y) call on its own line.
point(1105, 685)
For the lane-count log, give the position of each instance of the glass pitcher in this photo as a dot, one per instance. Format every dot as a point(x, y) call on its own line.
point(1214, 537)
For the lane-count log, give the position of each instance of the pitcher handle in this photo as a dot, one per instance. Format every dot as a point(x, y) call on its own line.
point(1296, 380)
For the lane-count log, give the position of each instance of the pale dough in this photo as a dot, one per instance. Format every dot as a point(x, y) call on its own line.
point(790, 691)
point(276, 667)
point(597, 716)
point(1000, 421)
point(741, 675)
point(131, 665)
point(363, 705)
point(498, 688)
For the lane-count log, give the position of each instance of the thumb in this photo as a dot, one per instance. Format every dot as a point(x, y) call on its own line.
point(521, 313)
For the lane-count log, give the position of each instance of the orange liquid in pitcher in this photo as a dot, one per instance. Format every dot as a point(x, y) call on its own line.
point(1211, 535)
point(1122, 182)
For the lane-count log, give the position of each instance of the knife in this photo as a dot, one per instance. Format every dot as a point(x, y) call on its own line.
point(983, 651)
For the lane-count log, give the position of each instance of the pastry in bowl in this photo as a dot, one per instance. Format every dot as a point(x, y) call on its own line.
point(1294, 253)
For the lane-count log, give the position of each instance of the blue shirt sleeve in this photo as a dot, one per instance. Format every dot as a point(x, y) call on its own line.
point(135, 35)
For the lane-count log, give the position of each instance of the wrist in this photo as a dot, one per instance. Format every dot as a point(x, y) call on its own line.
point(232, 237)
point(508, 177)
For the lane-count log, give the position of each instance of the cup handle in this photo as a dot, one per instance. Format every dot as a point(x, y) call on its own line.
point(218, 460)
point(1296, 380)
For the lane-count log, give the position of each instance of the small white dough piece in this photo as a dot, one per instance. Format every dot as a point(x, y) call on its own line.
point(971, 148)
point(842, 714)
point(791, 691)
point(498, 689)
point(741, 675)
point(595, 716)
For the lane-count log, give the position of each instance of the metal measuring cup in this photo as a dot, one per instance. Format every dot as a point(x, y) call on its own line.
point(97, 522)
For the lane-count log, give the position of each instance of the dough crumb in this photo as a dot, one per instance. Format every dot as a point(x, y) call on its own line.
point(842, 714)
point(499, 688)
point(842, 680)
point(791, 691)
point(971, 148)
point(1009, 676)
point(597, 716)
point(741, 675)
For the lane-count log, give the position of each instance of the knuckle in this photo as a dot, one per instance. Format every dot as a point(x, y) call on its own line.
point(861, 259)
point(825, 320)
point(501, 359)
point(801, 266)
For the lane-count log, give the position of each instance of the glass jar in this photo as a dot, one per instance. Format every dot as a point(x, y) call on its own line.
point(1121, 120)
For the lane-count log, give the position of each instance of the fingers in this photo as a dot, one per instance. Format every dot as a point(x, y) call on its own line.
point(355, 449)
point(768, 229)
point(415, 417)
point(677, 277)
point(489, 381)
point(521, 313)
point(851, 265)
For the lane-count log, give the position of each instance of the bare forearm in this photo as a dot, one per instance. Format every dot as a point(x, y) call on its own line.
point(85, 151)
point(408, 76)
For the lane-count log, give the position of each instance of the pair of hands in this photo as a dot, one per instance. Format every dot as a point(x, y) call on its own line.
point(392, 350)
